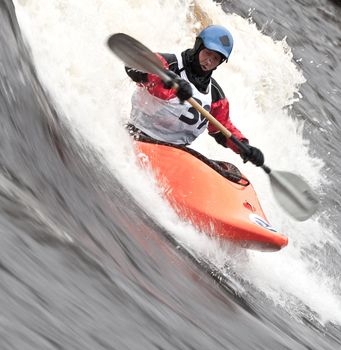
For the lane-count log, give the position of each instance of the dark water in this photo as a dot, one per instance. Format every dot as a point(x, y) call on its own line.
point(83, 267)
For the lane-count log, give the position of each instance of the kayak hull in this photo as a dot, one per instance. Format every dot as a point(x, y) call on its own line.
point(212, 203)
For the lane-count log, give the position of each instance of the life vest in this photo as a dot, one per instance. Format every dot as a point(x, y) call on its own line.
point(169, 120)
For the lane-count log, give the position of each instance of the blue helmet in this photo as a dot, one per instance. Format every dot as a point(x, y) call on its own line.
point(217, 38)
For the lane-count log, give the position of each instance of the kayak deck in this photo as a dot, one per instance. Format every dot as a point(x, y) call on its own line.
point(212, 203)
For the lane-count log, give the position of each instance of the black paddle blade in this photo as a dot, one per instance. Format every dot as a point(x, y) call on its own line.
point(135, 55)
point(294, 194)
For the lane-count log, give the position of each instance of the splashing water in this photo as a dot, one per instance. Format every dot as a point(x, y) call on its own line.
point(90, 89)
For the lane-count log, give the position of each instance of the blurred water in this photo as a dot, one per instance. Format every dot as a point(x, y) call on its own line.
point(91, 255)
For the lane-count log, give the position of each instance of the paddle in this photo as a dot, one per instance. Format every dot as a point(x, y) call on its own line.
point(290, 190)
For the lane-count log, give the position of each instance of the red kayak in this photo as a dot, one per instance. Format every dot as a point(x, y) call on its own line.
point(222, 208)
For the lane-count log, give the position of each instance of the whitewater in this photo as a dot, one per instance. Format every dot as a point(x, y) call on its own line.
point(90, 89)
point(91, 254)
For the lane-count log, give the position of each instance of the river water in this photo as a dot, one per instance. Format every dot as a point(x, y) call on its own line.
point(91, 255)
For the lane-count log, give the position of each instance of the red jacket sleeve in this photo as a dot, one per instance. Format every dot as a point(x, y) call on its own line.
point(221, 111)
point(155, 85)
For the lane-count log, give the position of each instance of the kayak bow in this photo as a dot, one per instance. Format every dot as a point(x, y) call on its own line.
point(215, 205)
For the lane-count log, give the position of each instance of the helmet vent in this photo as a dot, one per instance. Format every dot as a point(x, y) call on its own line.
point(225, 40)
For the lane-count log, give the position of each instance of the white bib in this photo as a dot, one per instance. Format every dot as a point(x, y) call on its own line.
point(169, 120)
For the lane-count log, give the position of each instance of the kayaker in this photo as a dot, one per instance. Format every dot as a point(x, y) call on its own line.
point(160, 113)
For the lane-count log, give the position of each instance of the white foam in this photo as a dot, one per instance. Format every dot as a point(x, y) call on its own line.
point(90, 88)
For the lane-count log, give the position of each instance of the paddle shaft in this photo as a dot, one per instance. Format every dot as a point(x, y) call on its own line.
point(221, 127)
point(303, 202)
point(209, 117)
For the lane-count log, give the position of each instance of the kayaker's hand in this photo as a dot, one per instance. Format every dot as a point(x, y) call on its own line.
point(184, 90)
point(254, 155)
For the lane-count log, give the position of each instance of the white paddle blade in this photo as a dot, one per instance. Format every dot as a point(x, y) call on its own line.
point(294, 194)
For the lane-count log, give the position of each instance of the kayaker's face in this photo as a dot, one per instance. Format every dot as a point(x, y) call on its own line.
point(209, 59)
